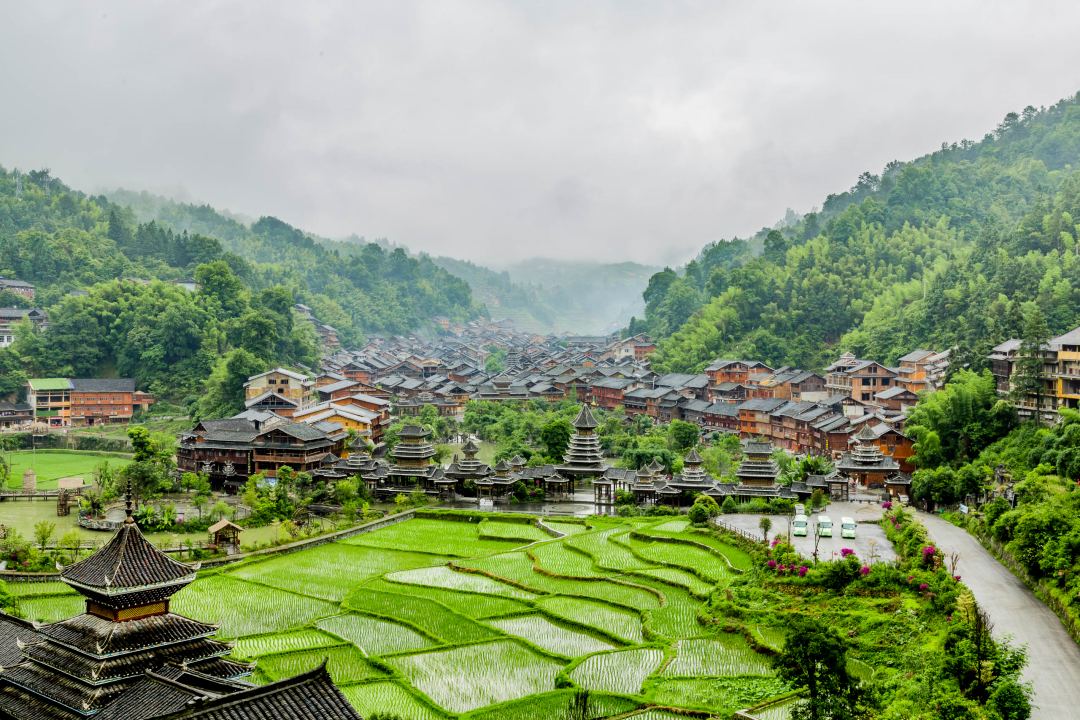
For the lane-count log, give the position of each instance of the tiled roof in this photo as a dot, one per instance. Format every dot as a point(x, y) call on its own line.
point(127, 562)
point(103, 384)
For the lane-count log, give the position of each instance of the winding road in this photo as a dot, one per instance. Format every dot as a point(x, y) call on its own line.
point(1053, 656)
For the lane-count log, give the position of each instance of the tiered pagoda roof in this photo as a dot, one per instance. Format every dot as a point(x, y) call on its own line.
point(693, 476)
point(583, 457)
point(758, 468)
point(468, 468)
point(866, 457)
point(113, 660)
point(412, 456)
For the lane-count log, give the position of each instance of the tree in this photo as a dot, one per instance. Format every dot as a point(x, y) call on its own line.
point(442, 454)
point(683, 435)
point(958, 422)
point(219, 510)
point(698, 515)
point(556, 438)
point(43, 532)
point(1030, 383)
point(202, 492)
point(711, 508)
point(775, 247)
point(224, 390)
point(72, 540)
point(766, 525)
point(814, 658)
point(1010, 701)
point(728, 505)
point(345, 491)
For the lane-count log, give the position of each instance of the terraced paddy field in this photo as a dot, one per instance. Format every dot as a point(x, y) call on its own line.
point(441, 619)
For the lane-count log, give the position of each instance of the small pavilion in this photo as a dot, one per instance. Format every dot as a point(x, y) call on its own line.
point(693, 479)
point(496, 486)
point(225, 534)
point(644, 487)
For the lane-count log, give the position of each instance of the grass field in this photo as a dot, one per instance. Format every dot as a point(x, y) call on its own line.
point(51, 465)
point(409, 626)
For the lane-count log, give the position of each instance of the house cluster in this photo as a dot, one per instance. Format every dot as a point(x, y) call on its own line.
point(75, 402)
point(1059, 377)
point(290, 419)
point(864, 466)
point(327, 333)
point(11, 315)
point(446, 373)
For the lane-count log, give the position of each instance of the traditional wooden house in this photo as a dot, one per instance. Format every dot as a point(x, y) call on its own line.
point(298, 445)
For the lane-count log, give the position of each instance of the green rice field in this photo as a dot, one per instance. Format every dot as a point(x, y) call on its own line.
point(435, 619)
point(50, 466)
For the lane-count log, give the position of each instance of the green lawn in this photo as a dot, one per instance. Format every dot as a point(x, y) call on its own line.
point(51, 465)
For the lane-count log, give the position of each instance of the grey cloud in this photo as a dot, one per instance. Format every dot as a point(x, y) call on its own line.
point(495, 131)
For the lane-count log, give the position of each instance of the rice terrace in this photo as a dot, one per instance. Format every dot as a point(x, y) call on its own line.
point(449, 616)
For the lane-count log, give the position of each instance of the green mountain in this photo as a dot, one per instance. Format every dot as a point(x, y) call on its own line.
point(353, 285)
point(171, 340)
point(963, 246)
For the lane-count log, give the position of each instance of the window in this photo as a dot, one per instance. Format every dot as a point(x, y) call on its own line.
point(866, 382)
point(866, 396)
point(271, 382)
point(885, 382)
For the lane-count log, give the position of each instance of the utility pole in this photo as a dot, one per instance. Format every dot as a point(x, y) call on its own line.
point(18, 183)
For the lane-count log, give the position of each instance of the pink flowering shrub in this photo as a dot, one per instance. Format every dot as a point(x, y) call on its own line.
point(864, 571)
point(846, 552)
point(887, 505)
point(802, 571)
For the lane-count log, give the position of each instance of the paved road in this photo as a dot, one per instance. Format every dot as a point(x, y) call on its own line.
point(829, 547)
point(1054, 657)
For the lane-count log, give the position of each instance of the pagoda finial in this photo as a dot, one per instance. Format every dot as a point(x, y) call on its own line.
point(127, 503)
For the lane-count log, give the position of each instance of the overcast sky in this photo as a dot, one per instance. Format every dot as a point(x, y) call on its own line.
point(496, 131)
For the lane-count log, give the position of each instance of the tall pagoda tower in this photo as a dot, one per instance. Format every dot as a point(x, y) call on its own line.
point(583, 457)
point(128, 657)
point(758, 468)
point(412, 460)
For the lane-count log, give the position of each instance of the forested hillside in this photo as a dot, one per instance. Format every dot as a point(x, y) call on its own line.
point(956, 247)
point(170, 340)
point(356, 287)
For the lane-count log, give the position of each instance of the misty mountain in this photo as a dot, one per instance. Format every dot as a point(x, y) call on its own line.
point(962, 246)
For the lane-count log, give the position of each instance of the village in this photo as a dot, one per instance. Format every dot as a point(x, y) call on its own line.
point(321, 420)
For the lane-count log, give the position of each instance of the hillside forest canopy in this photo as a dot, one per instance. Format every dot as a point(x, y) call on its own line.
point(133, 322)
point(958, 247)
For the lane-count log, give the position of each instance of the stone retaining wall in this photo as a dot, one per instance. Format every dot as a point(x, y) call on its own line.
point(1042, 590)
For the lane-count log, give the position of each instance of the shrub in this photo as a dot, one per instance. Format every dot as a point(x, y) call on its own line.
point(1010, 701)
point(729, 505)
point(839, 574)
point(698, 515)
point(708, 503)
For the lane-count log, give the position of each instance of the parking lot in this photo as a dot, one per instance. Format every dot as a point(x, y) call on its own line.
point(829, 547)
